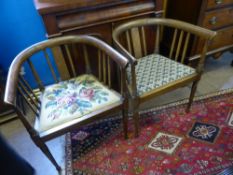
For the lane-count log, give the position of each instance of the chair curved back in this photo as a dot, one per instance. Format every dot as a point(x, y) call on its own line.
point(151, 31)
point(24, 56)
point(25, 92)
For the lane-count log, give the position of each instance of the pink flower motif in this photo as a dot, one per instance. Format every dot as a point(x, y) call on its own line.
point(66, 101)
point(87, 93)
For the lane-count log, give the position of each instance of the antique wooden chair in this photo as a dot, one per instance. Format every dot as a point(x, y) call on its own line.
point(157, 64)
point(63, 105)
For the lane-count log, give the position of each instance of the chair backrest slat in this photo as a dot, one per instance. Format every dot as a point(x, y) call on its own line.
point(109, 72)
point(104, 69)
point(185, 47)
point(50, 65)
point(21, 78)
point(173, 43)
point(157, 39)
point(36, 112)
point(129, 42)
point(36, 76)
point(99, 65)
point(179, 45)
point(86, 58)
point(70, 60)
point(28, 95)
point(143, 40)
point(62, 65)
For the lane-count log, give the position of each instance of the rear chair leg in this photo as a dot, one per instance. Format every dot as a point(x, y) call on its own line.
point(136, 123)
point(193, 90)
point(125, 123)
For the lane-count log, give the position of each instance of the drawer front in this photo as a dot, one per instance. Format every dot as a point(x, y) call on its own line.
point(218, 3)
point(224, 37)
point(104, 15)
point(218, 18)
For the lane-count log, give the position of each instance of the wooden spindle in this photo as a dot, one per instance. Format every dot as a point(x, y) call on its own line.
point(131, 42)
point(157, 40)
point(62, 67)
point(36, 76)
point(129, 46)
point(104, 69)
point(70, 60)
point(32, 100)
point(29, 104)
point(185, 47)
point(99, 65)
point(143, 40)
point(50, 66)
point(179, 45)
point(21, 78)
point(173, 43)
point(109, 72)
point(86, 58)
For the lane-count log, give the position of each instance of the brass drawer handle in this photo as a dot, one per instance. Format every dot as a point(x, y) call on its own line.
point(213, 20)
point(218, 1)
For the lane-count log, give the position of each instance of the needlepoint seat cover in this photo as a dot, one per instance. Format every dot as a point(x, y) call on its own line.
point(73, 98)
point(154, 71)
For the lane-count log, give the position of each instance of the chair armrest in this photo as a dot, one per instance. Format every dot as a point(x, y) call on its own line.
point(123, 51)
point(194, 58)
point(116, 56)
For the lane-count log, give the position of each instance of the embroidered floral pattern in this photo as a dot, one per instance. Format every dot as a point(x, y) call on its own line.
point(73, 99)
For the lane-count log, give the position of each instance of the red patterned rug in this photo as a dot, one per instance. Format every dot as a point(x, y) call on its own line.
point(171, 141)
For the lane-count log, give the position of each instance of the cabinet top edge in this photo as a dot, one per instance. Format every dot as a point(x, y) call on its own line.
point(53, 6)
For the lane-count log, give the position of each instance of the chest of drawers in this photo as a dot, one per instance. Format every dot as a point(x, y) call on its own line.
point(212, 14)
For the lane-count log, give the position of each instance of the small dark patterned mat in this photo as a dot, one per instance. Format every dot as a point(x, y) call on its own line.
point(203, 131)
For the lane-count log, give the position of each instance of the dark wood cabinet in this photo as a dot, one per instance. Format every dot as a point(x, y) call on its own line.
point(212, 14)
point(98, 18)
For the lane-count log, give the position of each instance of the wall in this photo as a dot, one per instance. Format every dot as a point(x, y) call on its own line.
point(21, 26)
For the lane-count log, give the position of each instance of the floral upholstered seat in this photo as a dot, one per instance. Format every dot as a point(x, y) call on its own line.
point(154, 71)
point(73, 99)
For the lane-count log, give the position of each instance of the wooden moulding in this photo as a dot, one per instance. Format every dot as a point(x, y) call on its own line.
point(48, 6)
point(102, 15)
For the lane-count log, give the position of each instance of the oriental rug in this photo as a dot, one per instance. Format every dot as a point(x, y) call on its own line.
point(171, 141)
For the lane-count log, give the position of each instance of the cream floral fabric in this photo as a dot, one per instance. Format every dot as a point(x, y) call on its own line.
point(155, 70)
point(73, 99)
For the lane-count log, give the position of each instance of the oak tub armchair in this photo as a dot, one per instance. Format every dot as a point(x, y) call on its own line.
point(156, 65)
point(53, 109)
